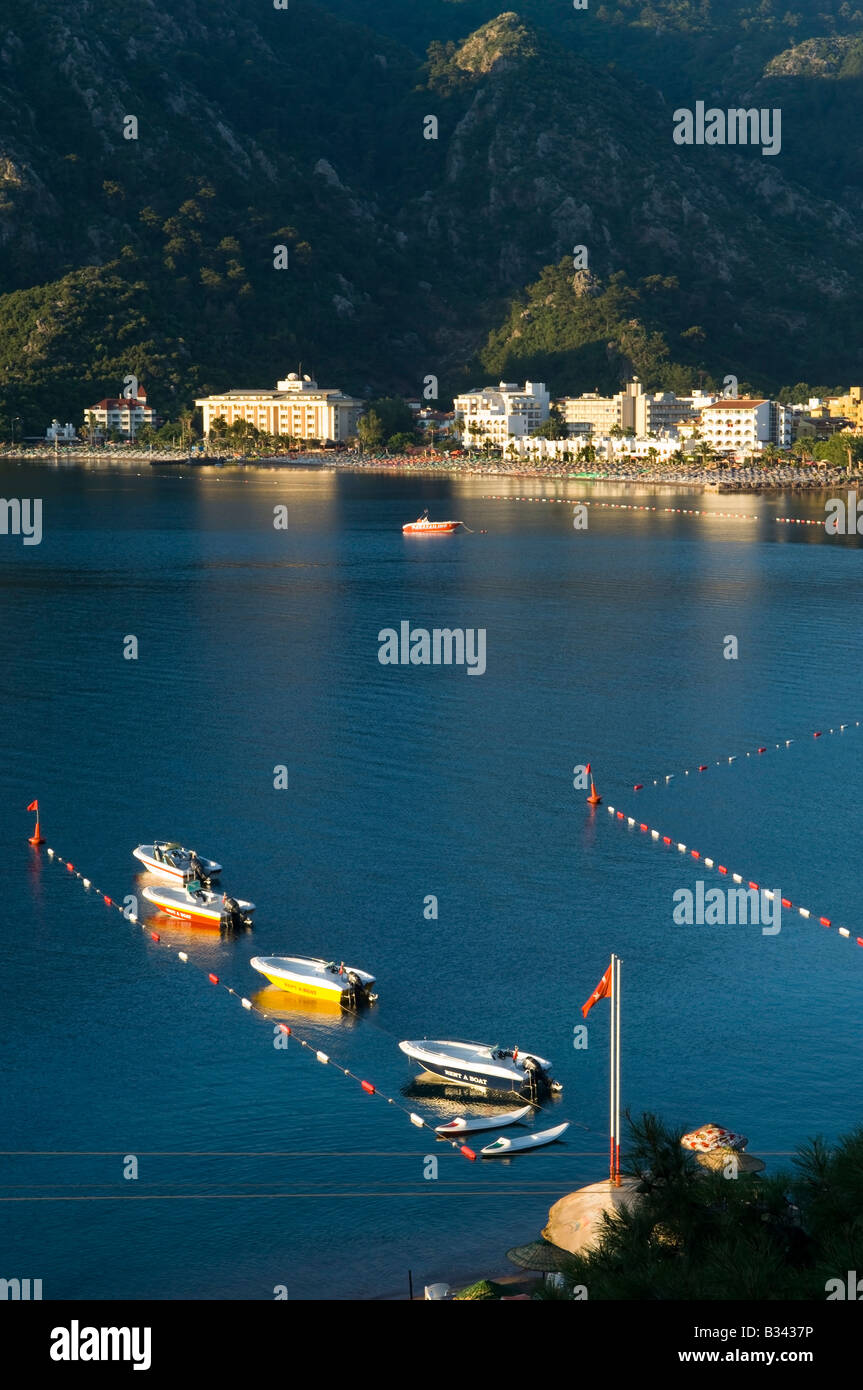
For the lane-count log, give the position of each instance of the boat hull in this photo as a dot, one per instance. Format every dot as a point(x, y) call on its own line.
point(170, 872)
point(477, 1067)
point(505, 1146)
point(434, 528)
point(185, 911)
point(312, 980)
point(471, 1078)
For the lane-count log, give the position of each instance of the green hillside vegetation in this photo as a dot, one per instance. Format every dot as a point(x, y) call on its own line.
point(303, 128)
point(699, 1235)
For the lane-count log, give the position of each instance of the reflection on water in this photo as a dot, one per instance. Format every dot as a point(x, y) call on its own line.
point(258, 649)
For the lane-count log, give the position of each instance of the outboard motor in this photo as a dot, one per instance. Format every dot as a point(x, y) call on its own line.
point(536, 1081)
point(196, 870)
point(233, 919)
point(357, 993)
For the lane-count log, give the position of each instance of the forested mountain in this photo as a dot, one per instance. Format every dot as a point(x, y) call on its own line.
point(305, 128)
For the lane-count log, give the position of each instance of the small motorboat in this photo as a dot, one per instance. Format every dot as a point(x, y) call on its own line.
point(194, 903)
point(317, 979)
point(472, 1124)
point(504, 1146)
point(423, 527)
point(483, 1068)
point(172, 861)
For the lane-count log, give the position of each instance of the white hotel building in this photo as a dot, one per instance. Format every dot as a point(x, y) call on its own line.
point(297, 407)
point(745, 426)
point(498, 413)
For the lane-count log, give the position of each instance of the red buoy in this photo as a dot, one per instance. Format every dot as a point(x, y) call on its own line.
point(214, 979)
point(468, 1153)
point(36, 838)
point(594, 799)
point(367, 1086)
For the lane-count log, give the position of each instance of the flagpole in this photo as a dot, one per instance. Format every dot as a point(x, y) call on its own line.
point(611, 1078)
point(617, 1079)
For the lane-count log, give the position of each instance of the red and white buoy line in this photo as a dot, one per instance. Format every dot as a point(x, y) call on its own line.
point(735, 757)
point(250, 1007)
point(657, 837)
point(707, 512)
point(627, 506)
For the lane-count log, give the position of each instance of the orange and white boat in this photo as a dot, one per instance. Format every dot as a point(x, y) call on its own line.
point(423, 527)
point(194, 904)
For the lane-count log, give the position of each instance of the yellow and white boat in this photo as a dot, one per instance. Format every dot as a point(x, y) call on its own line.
point(317, 979)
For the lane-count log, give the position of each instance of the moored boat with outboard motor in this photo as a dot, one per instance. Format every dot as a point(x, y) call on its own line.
point(316, 978)
point(423, 527)
point(483, 1068)
point(194, 903)
point(172, 861)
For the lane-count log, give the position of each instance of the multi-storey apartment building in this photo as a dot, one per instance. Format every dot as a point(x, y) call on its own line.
point(123, 413)
point(297, 407)
point(849, 406)
point(498, 412)
point(746, 425)
point(631, 409)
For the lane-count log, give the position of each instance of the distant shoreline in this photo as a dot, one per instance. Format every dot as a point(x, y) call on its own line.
point(777, 479)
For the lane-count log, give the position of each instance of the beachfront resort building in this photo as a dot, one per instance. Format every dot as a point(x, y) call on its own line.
point(296, 407)
point(848, 407)
point(499, 413)
point(607, 449)
point(125, 414)
point(745, 426)
point(631, 410)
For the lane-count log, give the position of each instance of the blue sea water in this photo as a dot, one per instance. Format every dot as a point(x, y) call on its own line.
point(257, 647)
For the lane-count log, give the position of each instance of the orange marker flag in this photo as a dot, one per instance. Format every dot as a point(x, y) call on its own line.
point(602, 991)
point(34, 806)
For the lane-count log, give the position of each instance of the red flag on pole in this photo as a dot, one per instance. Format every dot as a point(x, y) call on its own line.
point(34, 806)
point(602, 991)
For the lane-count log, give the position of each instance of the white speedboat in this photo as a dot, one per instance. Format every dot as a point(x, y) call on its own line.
point(170, 860)
point(482, 1068)
point(195, 904)
point(317, 979)
point(472, 1124)
point(504, 1146)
